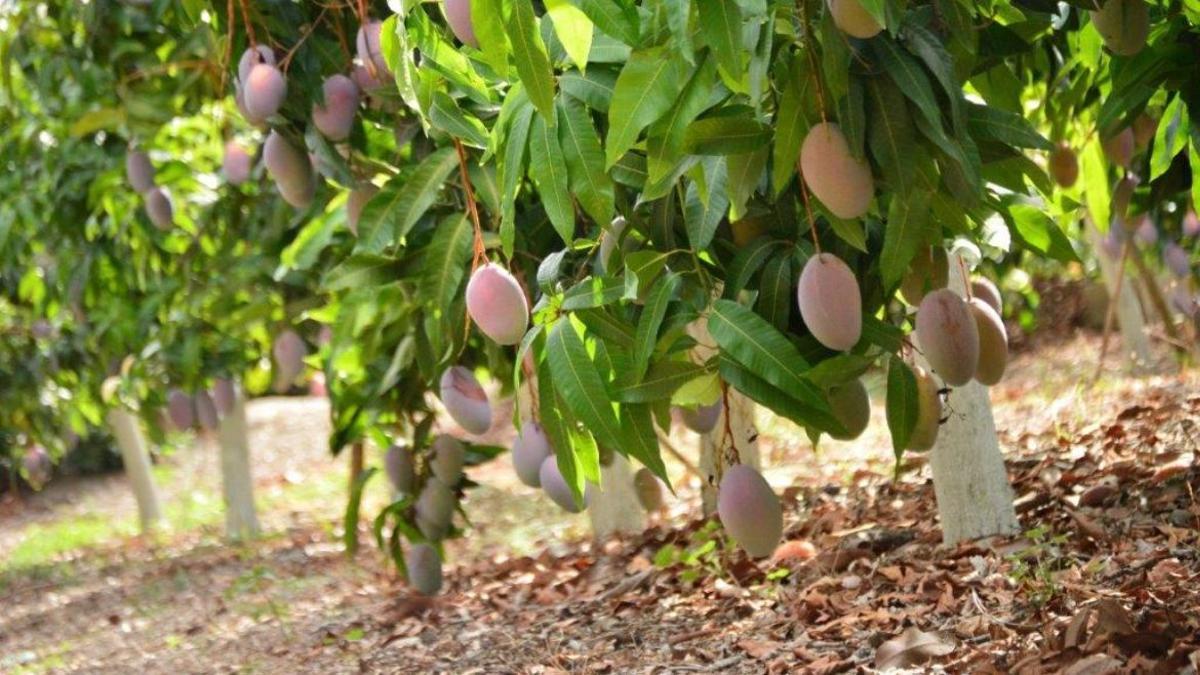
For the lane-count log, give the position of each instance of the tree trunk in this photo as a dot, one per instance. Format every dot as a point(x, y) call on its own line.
point(974, 497)
point(716, 452)
point(613, 506)
point(136, 459)
point(1129, 310)
point(741, 433)
point(237, 484)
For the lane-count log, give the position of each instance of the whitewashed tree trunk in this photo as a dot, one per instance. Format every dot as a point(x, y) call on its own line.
point(741, 432)
point(1129, 309)
point(136, 459)
point(715, 450)
point(974, 498)
point(237, 484)
point(613, 506)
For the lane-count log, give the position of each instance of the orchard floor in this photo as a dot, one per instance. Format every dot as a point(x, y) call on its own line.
point(1103, 579)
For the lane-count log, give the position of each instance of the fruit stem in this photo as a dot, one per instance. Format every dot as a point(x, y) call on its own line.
point(472, 206)
point(812, 223)
point(287, 58)
point(249, 25)
point(812, 64)
point(966, 279)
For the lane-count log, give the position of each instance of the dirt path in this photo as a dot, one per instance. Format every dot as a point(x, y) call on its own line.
point(1105, 480)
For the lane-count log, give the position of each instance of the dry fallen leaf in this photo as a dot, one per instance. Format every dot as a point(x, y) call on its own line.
point(912, 648)
point(1096, 664)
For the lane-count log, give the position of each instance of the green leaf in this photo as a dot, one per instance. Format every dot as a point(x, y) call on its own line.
point(511, 169)
point(704, 207)
point(594, 88)
point(743, 174)
point(1040, 233)
point(883, 335)
point(585, 160)
point(835, 58)
point(353, 507)
point(852, 117)
point(659, 383)
point(578, 382)
point(775, 291)
point(487, 19)
point(651, 320)
point(617, 18)
point(1000, 125)
point(810, 411)
point(606, 325)
point(308, 244)
point(901, 406)
point(726, 135)
point(749, 259)
point(910, 78)
point(721, 28)
point(447, 116)
point(1194, 161)
point(529, 53)
point(890, 134)
point(573, 28)
point(667, 136)
point(548, 169)
point(593, 292)
point(647, 87)
point(791, 122)
point(1094, 168)
point(757, 345)
point(839, 369)
point(909, 227)
point(926, 46)
point(446, 260)
point(361, 271)
point(1170, 138)
point(402, 201)
point(558, 431)
point(641, 440)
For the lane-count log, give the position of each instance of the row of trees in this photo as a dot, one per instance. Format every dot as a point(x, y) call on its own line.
point(656, 204)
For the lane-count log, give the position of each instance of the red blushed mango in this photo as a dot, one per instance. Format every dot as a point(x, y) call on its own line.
point(750, 511)
point(334, 115)
point(852, 407)
point(139, 170)
point(1124, 25)
point(180, 410)
point(929, 412)
point(649, 489)
point(458, 15)
point(853, 20)
point(993, 342)
point(447, 460)
point(497, 304)
point(929, 271)
point(264, 90)
point(948, 336)
point(236, 164)
point(841, 181)
point(529, 451)
point(1064, 165)
point(291, 170)
point(556, 488)
point(398, 464)
point(159, 209)
point(830, 302)
point(424, 569)
point(465, 400)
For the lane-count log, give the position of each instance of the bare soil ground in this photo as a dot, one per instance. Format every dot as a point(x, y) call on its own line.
point(1102, 580)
